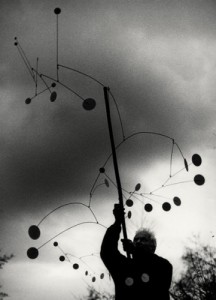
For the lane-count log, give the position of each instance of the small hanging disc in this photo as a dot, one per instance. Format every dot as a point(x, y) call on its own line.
point(196, 160)
point(177, 201)
point(53, 96)
point(137, 187)
point(75, 266)
point(166, 206)
point(106, 182)
point(89, 104)
point(55, 244)
point(186, 165)
point(28, 101)
point(148, 207)
point(199, 179)
point(32, 253)
point(57, 10)
point(62, 258)
point(129, 202)
point(34, 232)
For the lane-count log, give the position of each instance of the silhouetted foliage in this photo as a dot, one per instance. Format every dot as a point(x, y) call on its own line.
point(3, 260)
point(198, 282)
point(95, 295)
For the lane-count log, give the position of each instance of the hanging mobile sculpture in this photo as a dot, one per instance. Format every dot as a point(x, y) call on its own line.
point(126, 198)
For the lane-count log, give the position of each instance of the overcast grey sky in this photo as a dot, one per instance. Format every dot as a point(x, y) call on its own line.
point(158, 57)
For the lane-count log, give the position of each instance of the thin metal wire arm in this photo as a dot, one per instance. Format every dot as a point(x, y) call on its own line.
point(67, 230)
point(82, 73)
point(72, 91)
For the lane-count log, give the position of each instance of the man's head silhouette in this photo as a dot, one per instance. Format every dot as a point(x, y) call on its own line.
point(144, 240)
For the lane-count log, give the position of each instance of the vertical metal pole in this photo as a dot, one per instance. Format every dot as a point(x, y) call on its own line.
point(115, 162)
point(57, 65)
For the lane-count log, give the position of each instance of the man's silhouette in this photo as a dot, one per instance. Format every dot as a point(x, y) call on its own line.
point(146, 275)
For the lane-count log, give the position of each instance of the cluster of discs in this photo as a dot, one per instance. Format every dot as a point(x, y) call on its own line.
point(76, 266)
point(88, 104)
point(32, 253)
point(166, 206)
point(34, 233)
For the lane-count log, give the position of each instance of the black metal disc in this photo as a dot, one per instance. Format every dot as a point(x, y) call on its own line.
point(199, 179)
point(166, 206)
point(28, 101)
point(53, 96)
point(196, 160)
point(186, 164)
point(137, 187)
point(177, 201)
point(75, 266)
point(34, 232)
point(57, 10)
point(148, 207)
point(129, 202)
point(32, 253)
point(89, 104)
point(62, 258)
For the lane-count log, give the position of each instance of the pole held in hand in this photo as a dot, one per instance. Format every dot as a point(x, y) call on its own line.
point(115, 162)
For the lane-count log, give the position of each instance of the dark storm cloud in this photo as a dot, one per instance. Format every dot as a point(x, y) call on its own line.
point(49, 152)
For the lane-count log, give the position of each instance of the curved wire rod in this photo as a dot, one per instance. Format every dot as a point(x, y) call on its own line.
point(66, 204)
point(138, 133)
point(72, 91)
point(169, 178)
point(63, 231)
point(100, 83)
point(131, 136)
point(25, 56)
point(92, 254)
point(149, 199)
point(93, 214)
point(160, 196)
point(116, 185)
point(41, 92)
point(69, 254)
point(97, 186)
point(82, 73)
point(157, 189)
point(65, 254)
point(135, 197)
point(94, 184)
point(178, 183)
point(25, 62)
point(40, 76)
point(179, 149)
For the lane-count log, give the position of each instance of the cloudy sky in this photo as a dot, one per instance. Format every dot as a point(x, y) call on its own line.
point(159, 59)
